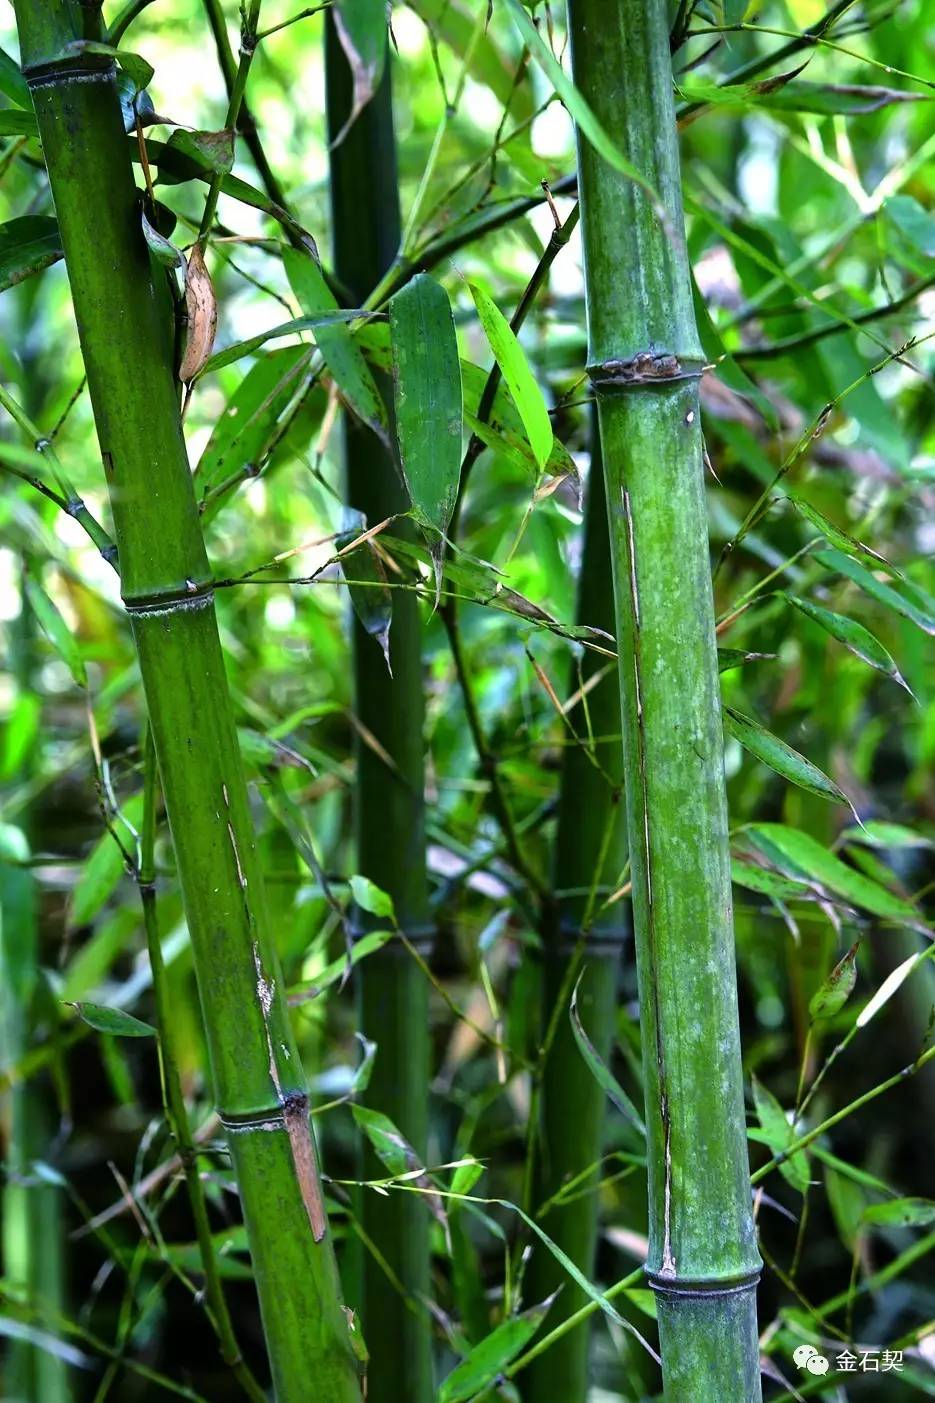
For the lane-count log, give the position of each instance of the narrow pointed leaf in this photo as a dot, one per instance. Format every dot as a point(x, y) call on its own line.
point(103, 868)
point(893, 981)
point(599, 1069)
point(840, 539)
point(341, 353)
point(57, 631)
point(859, 640)
point(779, 1134)
point(27, 246)
point(243, 429)
point(519, 379)
point(901, 1213)
point(836, 988)
point(427, 386)
point(113, 1021)
point(371, 597)
point(917, 608)
point(239, 349)
point(790, 848)
point(487, 1360)
point(781, 757)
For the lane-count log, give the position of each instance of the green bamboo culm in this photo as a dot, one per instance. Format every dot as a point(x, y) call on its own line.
point(125, 325)
point(645, 363)
point(389, 820)
point(580, 937)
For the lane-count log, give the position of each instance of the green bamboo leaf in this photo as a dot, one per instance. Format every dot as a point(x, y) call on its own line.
point(337, 970)
point(212, 151)
point(369, 897)
point(372, 599)
point(840, 539)
point(102, 870)
point(18, 124)
point(487, 1360)
point(893, 981)
point(767, 883)
point(12, 83)
point(791, 848)
point(239, 349)
point(517, 376)
point(779, 1134)
point(243, 429)
point(113, 1021)
point(859, 640)
point(781, 757)
point(27, 245)
point(786, 93)
point(57, 631)
point(341, 353)
point(912, 604)
point(837, 988)
point(579, 109)
point(901, 1213)
point(362, 1074)
point(389, 1144)
point(162, 248)
point(912, 221)
point(599, 1069)
point(427, 386)
point(362, 29)
point(877, 833)
point(729, 658)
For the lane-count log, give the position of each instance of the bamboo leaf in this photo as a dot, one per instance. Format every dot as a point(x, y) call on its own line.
point(786, 93)
point(893, 981)
point(27, 245)
point(337, 970)
point(781, 757)
point(913, 222)
point(213, 151)
point(133, 65)
point(239, 349)
point(790, 848)
point(12, 83)
point(918, 608)
point(371, 597)
point(838, 538)
point(362, 29)
point(487, 1360)
point(901, 1213)
point(102, 870)
point(427, 385)
point(599, 1069)
point(766, 882)
point(113, 1021)
point(779, 1134)
point(730, 658)
point(243, 429)
point(837, 988)
point(18, 124)
point(341, 353)
point(57, 631)
point(518, 377)
point(161, 248)
point(859, 640)
point(573, 99)
point(201, 312)
point(877, 833)
point(369, 897)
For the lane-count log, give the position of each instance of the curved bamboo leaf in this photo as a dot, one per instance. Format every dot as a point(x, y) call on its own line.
point(781, 757)
point(113, 1021)
point(362, 29)
point(837, 988)
point(599, 1069)
point(489, 1358)
point(908, 600)
point(27, 245)
point(57, 631)
point(838, 538)
point(517, 376)
point(243, 429)
point(239, 349)
point(341, 353)
point(427, 384)
point(790, 848)
point(859, 640)
point(779, 1133)
point(901, 1213)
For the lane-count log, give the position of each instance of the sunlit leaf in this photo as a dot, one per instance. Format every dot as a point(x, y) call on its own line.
point(518, 377)
point(57, 631)
point(487, 1360)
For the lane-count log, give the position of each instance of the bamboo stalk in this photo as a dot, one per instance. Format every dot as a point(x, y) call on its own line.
point(389, 820)
point(645, 362)
point(125, 326)
point(32, 1227)
point(590, 851)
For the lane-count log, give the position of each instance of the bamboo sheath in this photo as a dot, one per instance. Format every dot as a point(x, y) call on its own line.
point(590, 851)
point(125, 327)
point(645, 364)
point(389, 820)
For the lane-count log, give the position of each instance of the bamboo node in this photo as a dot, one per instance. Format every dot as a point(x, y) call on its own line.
point(694, 1287)
point(645, 368)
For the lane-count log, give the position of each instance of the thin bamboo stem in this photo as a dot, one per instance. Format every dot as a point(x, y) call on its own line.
point(590, 852)
point(126, 329)
point(389, 818)
point(645, 362)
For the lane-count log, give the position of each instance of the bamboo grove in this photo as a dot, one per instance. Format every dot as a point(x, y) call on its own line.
point(467, 707)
